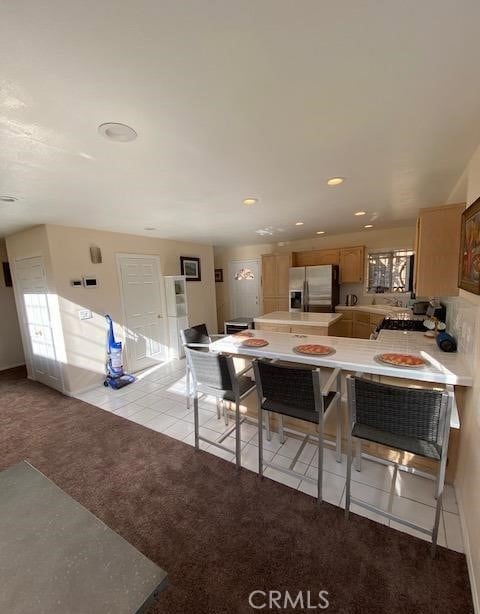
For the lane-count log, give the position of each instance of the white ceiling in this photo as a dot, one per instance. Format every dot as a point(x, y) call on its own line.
point(230, 99)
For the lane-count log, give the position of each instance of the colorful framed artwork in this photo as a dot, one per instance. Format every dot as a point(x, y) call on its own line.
point(218, 275)
point(469, 268)
point(190, 267)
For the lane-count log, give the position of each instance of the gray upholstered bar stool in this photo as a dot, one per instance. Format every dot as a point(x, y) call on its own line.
point(197, 337)
point(214, 374)
point(407, 419)
point(296, 391)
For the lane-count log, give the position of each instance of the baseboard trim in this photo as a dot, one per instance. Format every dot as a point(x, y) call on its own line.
point(17, 364)
point(468, 556)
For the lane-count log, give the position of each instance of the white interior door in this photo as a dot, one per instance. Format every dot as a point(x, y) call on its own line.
point(146, 328)
point(31, 282)
point(244, 284)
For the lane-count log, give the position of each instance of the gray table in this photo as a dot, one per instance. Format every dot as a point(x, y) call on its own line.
point(57, 557)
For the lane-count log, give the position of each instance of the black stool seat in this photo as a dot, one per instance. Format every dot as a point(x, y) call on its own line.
point(421, 447)
point(298, 412)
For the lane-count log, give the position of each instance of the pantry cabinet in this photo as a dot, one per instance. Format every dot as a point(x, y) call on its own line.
point(275, 281)
point(437, 249)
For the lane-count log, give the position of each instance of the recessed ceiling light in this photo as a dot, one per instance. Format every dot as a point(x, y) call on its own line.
point(117, 132)
point(335, 180)
point(368, 226)
point(360, 213)
point(320, 232)
point(250, 201)
point(149, 228)
point(8, 199)
point(299, 223)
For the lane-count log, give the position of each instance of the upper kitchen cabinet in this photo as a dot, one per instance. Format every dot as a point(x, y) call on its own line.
point(437, 249)
point(352, 264)
point(316, 257)
point(275, 281)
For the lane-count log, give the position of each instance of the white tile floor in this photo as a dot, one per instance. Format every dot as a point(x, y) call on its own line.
point(157, 400)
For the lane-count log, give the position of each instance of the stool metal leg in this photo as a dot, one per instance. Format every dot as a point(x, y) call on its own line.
point(219, 409)
point(260, 442)
point(338, 443)
point(267, 425)
point(349, 473)
point(320, 461)
point(225, 412)
point(238, 440)
point(187, 385)
point(358, 455)
point(196, 420)
point(281, 434)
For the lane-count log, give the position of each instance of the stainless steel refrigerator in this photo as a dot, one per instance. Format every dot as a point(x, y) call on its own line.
point(313, 288)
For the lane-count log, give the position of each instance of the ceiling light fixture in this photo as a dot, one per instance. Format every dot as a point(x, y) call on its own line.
point(117, 132)
point(8, 199)
point(299, 223)
point(368, 226)
point(149, 228)
point(335, 180)
point(320, 232)
point(250, 201)
point(360, 213)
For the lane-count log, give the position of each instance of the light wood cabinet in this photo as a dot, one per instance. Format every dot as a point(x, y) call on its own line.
point(437, 249)
point(316, 257)
point(352, 264)
point(358, 324)
point(275, 281)
point(344, 328)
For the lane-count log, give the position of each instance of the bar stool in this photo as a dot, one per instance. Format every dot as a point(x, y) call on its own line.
point(215, 374)
point(295, 391)
point(197, 337)
point(407, 419)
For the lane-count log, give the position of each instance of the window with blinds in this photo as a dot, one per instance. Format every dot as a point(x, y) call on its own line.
point(390, 272)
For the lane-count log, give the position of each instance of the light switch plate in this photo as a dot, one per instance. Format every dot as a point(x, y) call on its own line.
point(84, 314)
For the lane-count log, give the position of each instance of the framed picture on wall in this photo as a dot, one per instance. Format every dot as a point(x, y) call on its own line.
point(190, 267)
point(218, 275)
point(469, 268)
point(7, 275)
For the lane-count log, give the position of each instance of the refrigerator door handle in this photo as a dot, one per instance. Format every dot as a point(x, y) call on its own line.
point(306, 298)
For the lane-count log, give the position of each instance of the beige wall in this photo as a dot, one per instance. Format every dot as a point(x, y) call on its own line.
point(11, 349)
point(394, 238)
point(67, 256)
point(467, 481)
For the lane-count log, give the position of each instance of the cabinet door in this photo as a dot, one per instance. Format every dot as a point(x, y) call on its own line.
point(283, 264)
point(352, 264)
point(282, 304)
point(362, 330)
point(269, 273)
point(329, 256)
point(438, 247)
point(269, 305)
point(344, 328)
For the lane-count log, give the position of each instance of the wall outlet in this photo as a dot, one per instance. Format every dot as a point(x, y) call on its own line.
point(84, 314)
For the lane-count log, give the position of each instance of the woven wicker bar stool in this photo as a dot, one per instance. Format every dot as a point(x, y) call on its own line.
point(197, 337)
point(407, 419)
point(214, 374)
point(295, 391)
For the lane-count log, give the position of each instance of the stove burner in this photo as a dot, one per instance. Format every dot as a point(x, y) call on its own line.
point(391, 324)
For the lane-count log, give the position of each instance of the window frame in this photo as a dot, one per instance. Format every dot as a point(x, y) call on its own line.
point(410, 252)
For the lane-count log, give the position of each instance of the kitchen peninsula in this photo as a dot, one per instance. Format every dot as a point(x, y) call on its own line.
point(307, 323)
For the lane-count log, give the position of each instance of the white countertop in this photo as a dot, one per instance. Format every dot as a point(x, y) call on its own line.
point(386, 310)
point(359, 354)
point(299, 317)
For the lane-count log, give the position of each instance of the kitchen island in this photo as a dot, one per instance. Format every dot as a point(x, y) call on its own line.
point(360, 355)
point(306, 323)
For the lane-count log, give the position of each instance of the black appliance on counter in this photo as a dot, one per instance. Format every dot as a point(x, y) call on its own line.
point(425, 308)
point(236, 325)
point(393, 324)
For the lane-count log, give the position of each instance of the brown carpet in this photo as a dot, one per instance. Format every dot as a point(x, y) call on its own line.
point(220, 533)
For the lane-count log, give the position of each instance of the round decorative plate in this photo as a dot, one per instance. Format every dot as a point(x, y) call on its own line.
point(313, 349)
point(243, 334)
point(407, 361)
point(254, 343)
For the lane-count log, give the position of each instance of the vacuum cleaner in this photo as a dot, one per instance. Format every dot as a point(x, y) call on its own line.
point(115, 376)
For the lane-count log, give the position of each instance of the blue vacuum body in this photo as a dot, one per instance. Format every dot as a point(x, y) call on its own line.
point(115, 376)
